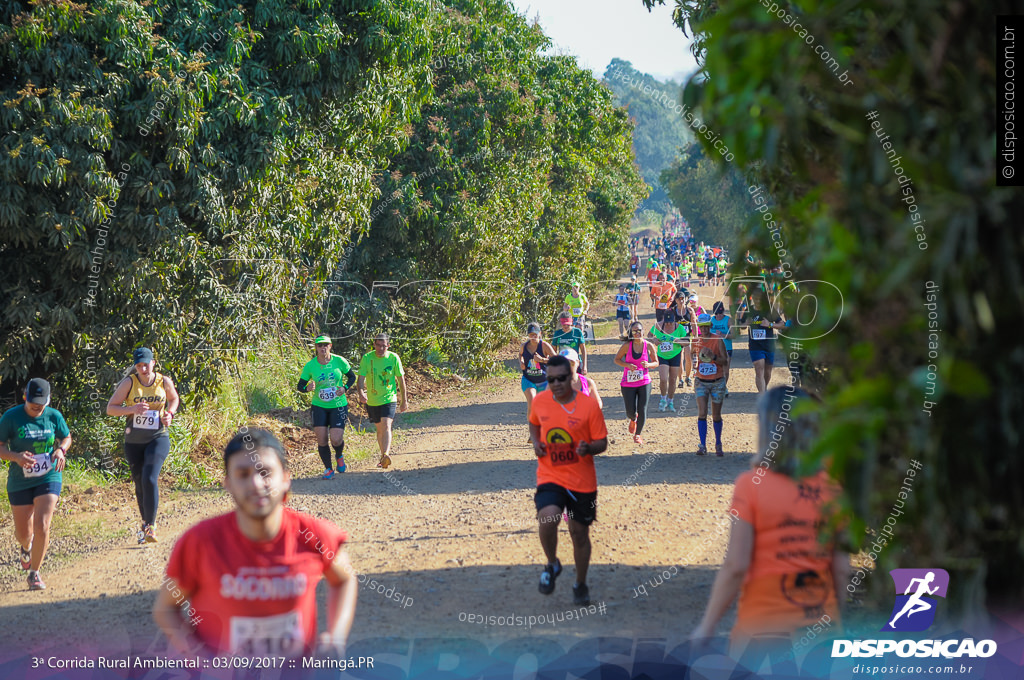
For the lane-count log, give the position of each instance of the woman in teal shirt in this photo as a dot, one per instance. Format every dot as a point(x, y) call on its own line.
point(35, 439)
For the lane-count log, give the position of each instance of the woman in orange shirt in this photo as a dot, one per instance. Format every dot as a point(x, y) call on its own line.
point(786, 575)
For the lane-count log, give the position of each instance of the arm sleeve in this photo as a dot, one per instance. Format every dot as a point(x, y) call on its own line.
point(62, 430)
point(302, 384)
point(743, 498)
point(350, 378)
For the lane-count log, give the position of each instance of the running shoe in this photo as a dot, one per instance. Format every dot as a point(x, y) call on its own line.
point(342, 467)
point(702, 450)
point(689, 383)
point(141, 535)
point(548, 576)
point(580, 594)
point(385, 461)
point(638, 440)
point(682, 383)
point(149, 533)
point(672, 406)
point(26, 558)
point(661, 405)
point(632, 426)
point(328, 474)
point(718, 449)
point(35, 582)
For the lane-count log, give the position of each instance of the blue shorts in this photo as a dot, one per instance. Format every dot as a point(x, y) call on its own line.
point(757, 355)
point(28, 496)
point(526, 384)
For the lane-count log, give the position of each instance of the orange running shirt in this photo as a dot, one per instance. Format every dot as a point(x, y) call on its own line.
point(663, 293)
point(789, 581)
point(561, 433)
point(708, 370)
point(652, 276)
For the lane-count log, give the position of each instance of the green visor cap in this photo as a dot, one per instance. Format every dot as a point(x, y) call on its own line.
point(321, 340)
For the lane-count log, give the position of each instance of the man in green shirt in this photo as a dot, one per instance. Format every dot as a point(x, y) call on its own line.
point(381, 383)
point(570, 337)
point(328, 376)
point(35, 439)
point(670, 338)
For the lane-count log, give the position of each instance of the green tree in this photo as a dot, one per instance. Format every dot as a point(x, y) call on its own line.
point(713, 199)
point(920, 94)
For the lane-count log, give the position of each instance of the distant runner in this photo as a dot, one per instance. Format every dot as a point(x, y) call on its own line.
point(248, 577)
point(622, 314)
point(35, 439)
point(568, 430)
point(328, 376)
point(381, 384)
point(581, 383)
point(633, 291)
point(533, 362)
point(578, 305)
point(148, 401)
point(572, 338)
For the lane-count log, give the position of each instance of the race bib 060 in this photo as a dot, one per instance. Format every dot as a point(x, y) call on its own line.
point(150, 420)
point(757, 334)
point(40, 467)
point(328, 393)
point(279, 635)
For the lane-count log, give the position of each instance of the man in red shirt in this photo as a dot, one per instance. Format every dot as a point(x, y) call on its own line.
point(568, 429)
point(249, 576)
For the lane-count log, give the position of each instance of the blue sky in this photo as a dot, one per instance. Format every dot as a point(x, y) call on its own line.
point(596, 31)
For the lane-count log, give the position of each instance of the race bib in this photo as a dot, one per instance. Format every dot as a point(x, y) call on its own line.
point(758, 333)
point(40, 467)
point(662, 305)
point(150, 420)
point(267, 635)
point(635, 375)
point(562, 454)
point(707, 369)
point(576, 311)
point(328, 393)
point(665, 346)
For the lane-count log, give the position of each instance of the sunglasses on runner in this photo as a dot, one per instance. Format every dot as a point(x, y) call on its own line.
point(558, 378)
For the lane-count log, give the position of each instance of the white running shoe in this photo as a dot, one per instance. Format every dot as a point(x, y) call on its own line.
point(672, 406)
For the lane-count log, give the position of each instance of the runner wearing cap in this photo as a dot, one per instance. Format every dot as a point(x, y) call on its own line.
point(636, 357)
point(567, 429)
point(670, 339)
point(581, 383)
point(533, 362)
point(35, 438)
point(382, 391)
point(148, 401)
point(711, 362)
point(572, 337)
point(622, 310)
point(633, 292)
point(721, 327)
point(249, 577)
point(328, 376)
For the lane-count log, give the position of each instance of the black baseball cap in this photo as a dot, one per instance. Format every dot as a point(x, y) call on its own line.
point(37, 392)
point(141, 355)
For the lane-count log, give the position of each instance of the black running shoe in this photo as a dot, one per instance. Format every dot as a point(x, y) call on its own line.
point(580, 594)
point(547, 578)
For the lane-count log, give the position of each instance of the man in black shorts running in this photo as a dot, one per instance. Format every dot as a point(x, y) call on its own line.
point(568, 429)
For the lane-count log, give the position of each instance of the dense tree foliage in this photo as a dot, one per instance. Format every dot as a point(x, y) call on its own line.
point(195, 175)
point(660, 131)
point(712, 198)
point(852, 168)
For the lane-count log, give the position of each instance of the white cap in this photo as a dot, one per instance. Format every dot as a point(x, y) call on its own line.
point(694, 298)
point(570, 354)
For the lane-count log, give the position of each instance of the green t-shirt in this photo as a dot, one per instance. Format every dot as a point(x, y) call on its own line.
point(576, 304)
point(330, 381)
point(667, 347)
point(574, 338)
point(35, 435)
point(381, 375)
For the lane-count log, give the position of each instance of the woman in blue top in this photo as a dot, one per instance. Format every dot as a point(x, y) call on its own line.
point(721, 325)
point(35, 439)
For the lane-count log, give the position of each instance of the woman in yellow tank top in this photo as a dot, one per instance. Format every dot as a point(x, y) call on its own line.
point(148, 401)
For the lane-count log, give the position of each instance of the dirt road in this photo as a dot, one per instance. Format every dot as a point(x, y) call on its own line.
point(451, 528)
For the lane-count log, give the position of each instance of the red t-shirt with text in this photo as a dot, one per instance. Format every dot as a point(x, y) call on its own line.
point(255, 598)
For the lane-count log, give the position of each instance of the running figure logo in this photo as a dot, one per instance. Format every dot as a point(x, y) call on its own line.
point(915, 611)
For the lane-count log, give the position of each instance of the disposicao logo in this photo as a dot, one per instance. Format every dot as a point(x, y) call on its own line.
point(914, 611)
